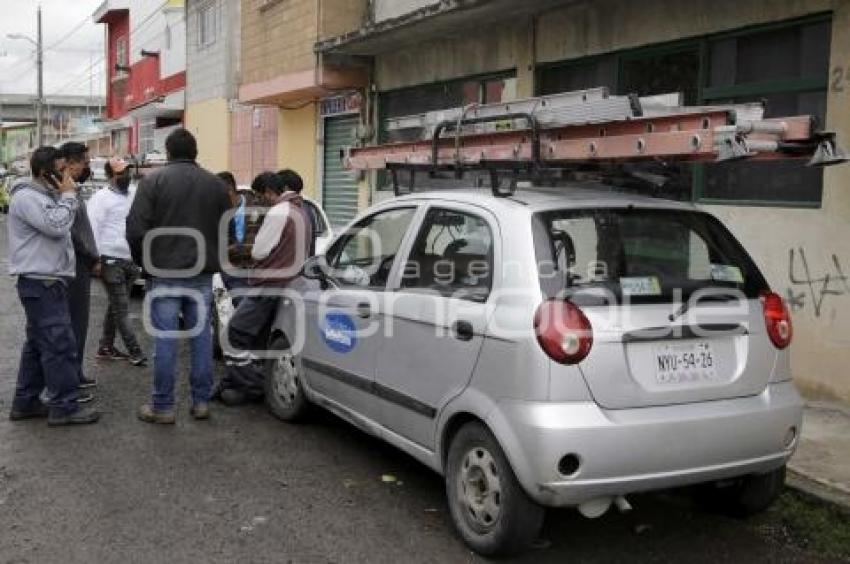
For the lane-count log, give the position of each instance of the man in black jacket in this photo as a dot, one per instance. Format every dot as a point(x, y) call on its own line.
point(75, 160)
point(173, 232)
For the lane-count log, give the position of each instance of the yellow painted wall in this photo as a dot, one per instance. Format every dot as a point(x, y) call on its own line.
point(296, 147)
point(209, 122)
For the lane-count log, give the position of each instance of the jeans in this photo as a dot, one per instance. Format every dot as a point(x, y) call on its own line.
point(191, 297)
point(79, 300)
point(49, 356)
point(118, 278)
point(247, 331)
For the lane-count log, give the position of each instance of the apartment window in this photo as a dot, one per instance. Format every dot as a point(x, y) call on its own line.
point(487, 89)
point(146, 136)
point(784, 64)
point(788, 67)
point(121, 51)
point(443, 95)
point(207, 25)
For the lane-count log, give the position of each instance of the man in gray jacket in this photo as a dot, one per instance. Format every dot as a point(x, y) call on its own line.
point(41, 255)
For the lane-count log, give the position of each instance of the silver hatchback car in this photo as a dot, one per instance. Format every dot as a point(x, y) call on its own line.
point(559, 347)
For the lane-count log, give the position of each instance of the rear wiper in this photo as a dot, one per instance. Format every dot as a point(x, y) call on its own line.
point(686, 306)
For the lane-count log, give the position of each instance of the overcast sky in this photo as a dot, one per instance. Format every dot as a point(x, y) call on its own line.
point(68, 65)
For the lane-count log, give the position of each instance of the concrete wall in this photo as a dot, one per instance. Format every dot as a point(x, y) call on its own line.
point(209, 121)
point(279, 39)
point(210, 71)
point(340, 16)
point(151, 22)
point(297, 147)
point(491, 49)
point(389, 9)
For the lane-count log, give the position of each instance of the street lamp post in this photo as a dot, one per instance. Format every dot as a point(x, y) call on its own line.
point(39, 58)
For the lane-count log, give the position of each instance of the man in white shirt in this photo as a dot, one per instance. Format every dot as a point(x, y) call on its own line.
point(108, 210)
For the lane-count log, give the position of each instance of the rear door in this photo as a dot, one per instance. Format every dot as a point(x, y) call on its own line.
point(436, 319)
point(673, 301)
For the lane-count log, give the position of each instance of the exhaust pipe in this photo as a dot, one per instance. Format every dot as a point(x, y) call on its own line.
point(596, 508)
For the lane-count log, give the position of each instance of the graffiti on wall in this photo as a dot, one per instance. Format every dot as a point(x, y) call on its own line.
point(813, 288)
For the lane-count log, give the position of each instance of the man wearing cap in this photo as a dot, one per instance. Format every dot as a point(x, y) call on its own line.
point(108, 209)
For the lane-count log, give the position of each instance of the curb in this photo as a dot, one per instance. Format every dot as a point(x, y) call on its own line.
point(819, 490)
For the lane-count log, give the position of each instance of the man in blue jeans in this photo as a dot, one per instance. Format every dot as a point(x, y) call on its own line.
point(173, 232)
point(41, 255)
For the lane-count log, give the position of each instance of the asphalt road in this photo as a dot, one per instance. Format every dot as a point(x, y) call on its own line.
point(246, 487)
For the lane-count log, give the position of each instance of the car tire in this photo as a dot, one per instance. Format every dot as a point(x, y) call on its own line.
point(745, 496)
point(285, 395)
point(490, 510)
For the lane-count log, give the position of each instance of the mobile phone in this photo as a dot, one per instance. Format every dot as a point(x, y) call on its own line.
point(53, 177)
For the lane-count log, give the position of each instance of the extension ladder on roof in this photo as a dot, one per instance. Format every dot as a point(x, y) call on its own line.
point(591, 127)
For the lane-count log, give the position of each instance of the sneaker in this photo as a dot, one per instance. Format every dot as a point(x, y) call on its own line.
point(200, 411)
point(148, 415)
point(86, 383)
point(83, 416)
point(138, 360)
point(110, 353)
point(85, 398)
point(38, 412)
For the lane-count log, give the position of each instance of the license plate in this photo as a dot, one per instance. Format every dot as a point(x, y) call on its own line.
point(685, 363)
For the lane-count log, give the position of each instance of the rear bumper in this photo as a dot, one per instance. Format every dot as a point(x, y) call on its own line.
point(632, 450)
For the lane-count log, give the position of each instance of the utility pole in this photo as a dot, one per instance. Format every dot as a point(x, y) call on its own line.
point(39, 116)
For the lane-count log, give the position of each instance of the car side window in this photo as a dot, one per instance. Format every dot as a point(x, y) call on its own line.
point(365, 254)
point(452, 255)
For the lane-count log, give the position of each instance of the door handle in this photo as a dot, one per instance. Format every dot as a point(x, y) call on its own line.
point(364, 310)
point(463, 331)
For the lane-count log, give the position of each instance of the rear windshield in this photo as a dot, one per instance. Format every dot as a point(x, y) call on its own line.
point(646, 255)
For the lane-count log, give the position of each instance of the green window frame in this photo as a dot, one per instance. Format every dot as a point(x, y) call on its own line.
point(707, 94)
point(382, 183)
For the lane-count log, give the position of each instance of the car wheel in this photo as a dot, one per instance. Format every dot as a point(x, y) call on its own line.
point(745, 496)
point(284, 391)
point(491, 511)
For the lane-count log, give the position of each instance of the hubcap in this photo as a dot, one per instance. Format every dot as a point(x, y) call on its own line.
point(286, 378)
point(480, 488)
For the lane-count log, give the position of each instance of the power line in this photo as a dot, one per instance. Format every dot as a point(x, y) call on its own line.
point(65, 37)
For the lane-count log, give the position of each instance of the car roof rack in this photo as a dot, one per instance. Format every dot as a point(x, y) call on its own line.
point(526, 138)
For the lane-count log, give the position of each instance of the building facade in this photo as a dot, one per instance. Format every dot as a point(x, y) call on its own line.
point(305, 105)
point(146, 72)
point(427, 55)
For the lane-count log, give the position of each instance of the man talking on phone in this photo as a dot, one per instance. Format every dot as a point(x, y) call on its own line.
point(41, 255)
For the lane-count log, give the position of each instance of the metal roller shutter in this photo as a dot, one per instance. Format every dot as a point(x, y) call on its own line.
point(339, 189)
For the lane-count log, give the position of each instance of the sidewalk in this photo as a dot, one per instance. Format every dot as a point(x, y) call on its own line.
point(821, 466)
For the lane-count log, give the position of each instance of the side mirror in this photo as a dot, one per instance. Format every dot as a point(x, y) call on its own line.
point(317, 268)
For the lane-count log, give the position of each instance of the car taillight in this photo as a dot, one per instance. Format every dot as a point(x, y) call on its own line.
point(563, 331)
point(777, 319)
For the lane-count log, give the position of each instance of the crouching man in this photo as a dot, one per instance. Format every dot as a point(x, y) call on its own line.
point(280, 249)
point(41, 254)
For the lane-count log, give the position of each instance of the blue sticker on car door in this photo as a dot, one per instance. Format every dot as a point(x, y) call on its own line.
point(339, 332)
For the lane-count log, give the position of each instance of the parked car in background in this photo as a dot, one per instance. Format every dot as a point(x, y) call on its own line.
point(559, 347)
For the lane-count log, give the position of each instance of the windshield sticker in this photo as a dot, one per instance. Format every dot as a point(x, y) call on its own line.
point(726, 273)
point(640, 286)
point(339, 332)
